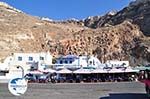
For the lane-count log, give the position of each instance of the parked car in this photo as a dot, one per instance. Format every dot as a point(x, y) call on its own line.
point(31, 78)
point(61, 79)
point(44, 78)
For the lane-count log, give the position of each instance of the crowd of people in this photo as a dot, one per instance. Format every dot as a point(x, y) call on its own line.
point(78, 78)
point(81, 78)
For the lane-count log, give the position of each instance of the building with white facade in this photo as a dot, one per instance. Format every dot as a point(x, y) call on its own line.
point(35, 60)
point(72, 61)
point(117, 63)
point(27, 62)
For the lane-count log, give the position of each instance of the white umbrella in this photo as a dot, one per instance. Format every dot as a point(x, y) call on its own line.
point(64, 71)
point(116, 71)
point(49, 70)
point(130, 70)
point(99, 71)
point(82, 71)
point(35, 72)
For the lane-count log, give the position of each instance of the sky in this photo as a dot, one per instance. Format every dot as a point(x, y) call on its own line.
point(67, 9)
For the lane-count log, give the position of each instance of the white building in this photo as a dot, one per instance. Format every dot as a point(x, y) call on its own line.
point(117, 63)
point(39, 59)
point(71, 61)
point(27, 61)
point(90, 61)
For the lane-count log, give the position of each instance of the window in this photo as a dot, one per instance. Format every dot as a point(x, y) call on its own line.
point(30, 58)
point(93, 62)
point(84, 58)
point(61, 61)
point(2, 73)
point(90, 62)
point(41, 58)
point(70, 61)
point(19, 58)
point(66, 62)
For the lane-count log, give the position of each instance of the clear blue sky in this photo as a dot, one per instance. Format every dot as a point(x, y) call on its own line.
point(66, 9)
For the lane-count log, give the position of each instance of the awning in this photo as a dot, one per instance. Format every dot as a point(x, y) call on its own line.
point(35, 72)
point(127, 70)
point(142, 68)
point(83, 71)
point(130, 70)
point(116, 71)
point(99, 71)
point(64, 71)
point(49, 70)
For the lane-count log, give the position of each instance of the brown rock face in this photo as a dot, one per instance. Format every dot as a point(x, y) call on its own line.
point(116, 37)
point(20, 32)
point(116, 42)
point(138, 12)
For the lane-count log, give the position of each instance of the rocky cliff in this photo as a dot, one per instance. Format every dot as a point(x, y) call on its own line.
point(119, 35)
point(138, 12)
point(124, 41)
point(20, 32)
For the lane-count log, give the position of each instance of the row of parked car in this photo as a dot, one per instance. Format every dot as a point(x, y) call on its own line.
point(39, 78)
point(48, 77)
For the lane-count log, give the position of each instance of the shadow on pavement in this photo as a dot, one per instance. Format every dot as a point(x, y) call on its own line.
point(126, 96)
